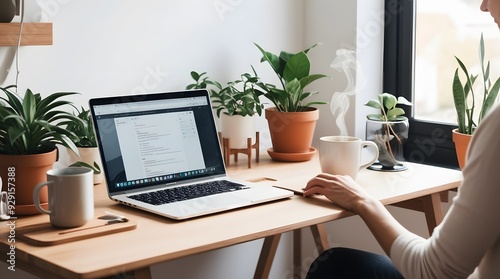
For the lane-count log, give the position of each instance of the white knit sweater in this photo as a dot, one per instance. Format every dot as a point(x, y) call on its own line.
point(467, 243)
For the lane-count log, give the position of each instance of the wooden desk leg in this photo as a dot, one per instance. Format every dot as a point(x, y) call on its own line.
point(297, 253)
point(433, 211)
point(320, 237)
point(143, 273)
point(267, 256)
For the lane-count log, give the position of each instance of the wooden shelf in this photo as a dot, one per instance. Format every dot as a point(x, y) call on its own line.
point(33, 34)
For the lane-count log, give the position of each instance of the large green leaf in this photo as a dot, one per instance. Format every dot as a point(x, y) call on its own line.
point(49, 102)
point(271, 58)
point(294, 92)
point(14, 101)
point(29, 106)
point(393, 113)
point(374, 104)
point(389, 101)
point(195, 75)
point(284, 57)
point(297, 67)
point(309, 79)
point(14, 133)
point(459, 100)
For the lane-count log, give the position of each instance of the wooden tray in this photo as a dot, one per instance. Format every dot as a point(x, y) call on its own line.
point(44, 234)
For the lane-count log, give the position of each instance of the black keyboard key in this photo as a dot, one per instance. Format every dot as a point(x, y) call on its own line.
point(188, 192)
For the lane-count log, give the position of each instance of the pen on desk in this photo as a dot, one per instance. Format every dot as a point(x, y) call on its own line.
point(110, 222)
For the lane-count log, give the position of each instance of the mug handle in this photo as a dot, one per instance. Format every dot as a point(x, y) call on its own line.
point(36, 196)
point(3, 202)
point(375, 147)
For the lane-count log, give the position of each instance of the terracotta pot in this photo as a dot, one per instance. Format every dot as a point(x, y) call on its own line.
point(461, 146)
point(27, 171)
point(291, 132)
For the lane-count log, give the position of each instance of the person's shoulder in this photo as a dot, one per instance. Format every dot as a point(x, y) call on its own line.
point(486, 135)
point(491, 119)
point(495, 110)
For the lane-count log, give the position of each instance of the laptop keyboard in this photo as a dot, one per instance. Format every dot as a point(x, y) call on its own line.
point(188, 192)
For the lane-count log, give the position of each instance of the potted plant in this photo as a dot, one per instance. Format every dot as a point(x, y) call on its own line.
point(388, 129)
point(203, 81)
point(235, 105)
point(291, 121)
point(86, 143)
point(30, 129)
point(465, 100)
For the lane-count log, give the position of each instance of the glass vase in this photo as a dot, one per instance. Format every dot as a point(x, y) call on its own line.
point(389, 136)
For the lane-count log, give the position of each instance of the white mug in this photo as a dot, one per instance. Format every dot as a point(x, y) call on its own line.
point(71, 196)
point(342, 155)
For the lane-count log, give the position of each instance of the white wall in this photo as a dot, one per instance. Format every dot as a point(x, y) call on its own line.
point(333, 24)
point(123, 47)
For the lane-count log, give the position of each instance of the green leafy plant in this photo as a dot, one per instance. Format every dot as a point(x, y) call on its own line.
point(464, 96)
point(387, 103)
point(95, 167)
point(203, 81)
point(239, 97)
point(293, 71)
point(85, 136)
point(32, 124)
point(84, 130)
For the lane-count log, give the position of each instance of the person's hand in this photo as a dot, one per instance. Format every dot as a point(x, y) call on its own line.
point(340, 189)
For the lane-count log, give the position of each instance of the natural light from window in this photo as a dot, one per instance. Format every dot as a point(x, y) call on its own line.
point(444, 29)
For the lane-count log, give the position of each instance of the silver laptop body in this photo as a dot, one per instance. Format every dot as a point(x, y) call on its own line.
point(160, 141)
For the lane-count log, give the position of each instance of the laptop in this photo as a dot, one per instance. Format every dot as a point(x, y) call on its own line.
point(161, 153)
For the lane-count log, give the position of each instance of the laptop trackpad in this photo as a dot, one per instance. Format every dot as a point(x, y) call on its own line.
point(226, 201)
point(202, 206)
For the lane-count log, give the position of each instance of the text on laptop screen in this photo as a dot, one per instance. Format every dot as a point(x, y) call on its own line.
point(163, 138)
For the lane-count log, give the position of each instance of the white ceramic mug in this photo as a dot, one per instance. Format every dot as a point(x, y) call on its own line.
point(71, 196)
point(342, 155)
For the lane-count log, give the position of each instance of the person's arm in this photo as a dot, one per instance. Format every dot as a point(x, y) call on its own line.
point(345, 192)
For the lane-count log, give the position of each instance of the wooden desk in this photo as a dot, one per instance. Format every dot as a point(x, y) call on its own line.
point(157, 239)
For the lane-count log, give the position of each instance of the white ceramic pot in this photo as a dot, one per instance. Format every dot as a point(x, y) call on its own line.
point(238, 129)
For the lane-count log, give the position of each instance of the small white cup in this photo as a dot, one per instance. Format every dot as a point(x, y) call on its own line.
point(342, 155)
point(71, 196)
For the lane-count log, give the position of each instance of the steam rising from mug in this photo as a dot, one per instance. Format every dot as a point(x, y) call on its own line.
point(339, 104)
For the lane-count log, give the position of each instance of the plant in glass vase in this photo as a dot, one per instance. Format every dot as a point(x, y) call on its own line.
point(388, 129)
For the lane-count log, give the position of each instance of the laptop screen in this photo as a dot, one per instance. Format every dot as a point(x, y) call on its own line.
point(160, 138)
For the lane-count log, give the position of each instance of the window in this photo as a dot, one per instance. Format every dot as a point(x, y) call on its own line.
point(421, 39)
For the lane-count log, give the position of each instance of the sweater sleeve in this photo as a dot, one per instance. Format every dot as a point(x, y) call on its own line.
point(471, 227)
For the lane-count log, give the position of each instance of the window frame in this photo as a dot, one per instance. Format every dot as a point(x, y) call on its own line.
point(428, 142)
